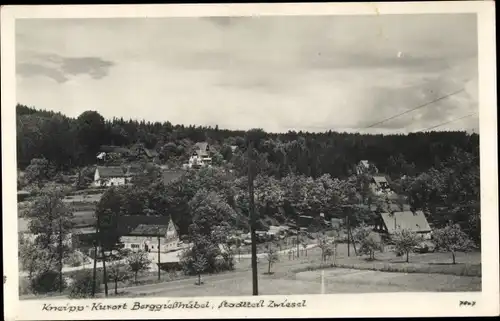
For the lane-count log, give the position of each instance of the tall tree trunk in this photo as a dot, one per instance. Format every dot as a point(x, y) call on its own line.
point(135, 276)
point(269, 268)
point(116, 286)
point(199, 279)
point(407, 257)
point(453, 255)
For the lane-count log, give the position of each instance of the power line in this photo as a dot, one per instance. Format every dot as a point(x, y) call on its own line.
point(450, 121)
point(418, 107)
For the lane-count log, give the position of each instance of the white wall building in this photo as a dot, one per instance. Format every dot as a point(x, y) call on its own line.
point(110, 176)
point(145, 237)
point(200, 156)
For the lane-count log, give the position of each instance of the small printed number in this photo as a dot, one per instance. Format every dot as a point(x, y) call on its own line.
point(467, 303)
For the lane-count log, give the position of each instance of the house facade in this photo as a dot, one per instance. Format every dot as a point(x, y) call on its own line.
point(110, 176)
point(390, 222)
point(200, 156)
point(151, 237)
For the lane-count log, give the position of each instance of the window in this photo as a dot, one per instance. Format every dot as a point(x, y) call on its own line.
point(134, 246)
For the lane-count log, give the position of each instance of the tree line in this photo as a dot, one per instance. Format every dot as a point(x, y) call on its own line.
point(68, 143)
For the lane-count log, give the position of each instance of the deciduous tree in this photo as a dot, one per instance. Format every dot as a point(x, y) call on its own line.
point(138, 262)
point(452, 239)
point(405, 241)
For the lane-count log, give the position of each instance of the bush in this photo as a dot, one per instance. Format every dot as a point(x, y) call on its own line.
point(45, 282)
point(82, 284)
point(76, 259)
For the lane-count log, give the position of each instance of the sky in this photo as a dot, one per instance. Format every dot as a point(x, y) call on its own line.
point(316, 73)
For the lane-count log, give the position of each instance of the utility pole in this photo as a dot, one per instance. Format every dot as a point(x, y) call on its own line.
point(252, 219)
point(159, 270)
point(95, 268)
point(60, 255)
point(101, 245)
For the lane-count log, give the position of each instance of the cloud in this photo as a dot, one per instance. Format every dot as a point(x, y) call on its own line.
point(58, 68)
point(279, 73)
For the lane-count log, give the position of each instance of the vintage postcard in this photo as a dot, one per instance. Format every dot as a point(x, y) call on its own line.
point(249, 160)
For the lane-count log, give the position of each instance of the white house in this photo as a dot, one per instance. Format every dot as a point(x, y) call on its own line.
point(200, 156)
point(110, 176)
point(152, 237)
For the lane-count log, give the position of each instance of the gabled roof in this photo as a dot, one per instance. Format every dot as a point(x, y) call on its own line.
point(135, 170)
point(115, 149)
point(203, 146)
point(127, 223)
point(365, 163)
point(109, 171)
point(413, 221)
point(380, 179)
point(169, 176)
point(149, 230)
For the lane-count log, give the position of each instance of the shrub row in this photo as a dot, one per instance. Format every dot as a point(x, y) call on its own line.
point(458, 270)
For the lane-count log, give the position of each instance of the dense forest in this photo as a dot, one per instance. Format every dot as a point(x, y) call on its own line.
point(69, 143)
point(298, 173)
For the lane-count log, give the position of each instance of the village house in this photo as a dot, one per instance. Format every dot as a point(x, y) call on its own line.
point(115, 175)
point(110, 176)
point(200, 156)
point(390, 222)
point(150, 234)
point(379, 185)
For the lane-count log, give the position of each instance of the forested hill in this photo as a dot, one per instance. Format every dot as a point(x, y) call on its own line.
point(68, 142)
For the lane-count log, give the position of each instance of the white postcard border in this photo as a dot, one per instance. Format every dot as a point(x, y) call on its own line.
point(334, 305)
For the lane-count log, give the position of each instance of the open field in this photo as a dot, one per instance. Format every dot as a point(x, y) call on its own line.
point(302, 276)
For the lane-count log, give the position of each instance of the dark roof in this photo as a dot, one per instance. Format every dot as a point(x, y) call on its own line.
point(115, 149)
point(135, 170)
point(413, 221)
point(149, 230)
point(110, 171)
point(129, 222)
point(171, 175)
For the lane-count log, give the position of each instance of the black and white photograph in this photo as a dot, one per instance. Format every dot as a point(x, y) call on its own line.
point(249, 155)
